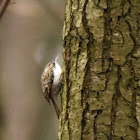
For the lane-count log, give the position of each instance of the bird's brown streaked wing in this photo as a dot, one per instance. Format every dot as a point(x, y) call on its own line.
point(47, 93)
point(48, 80)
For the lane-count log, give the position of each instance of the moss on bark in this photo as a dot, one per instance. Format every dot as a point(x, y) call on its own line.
point(101, 94)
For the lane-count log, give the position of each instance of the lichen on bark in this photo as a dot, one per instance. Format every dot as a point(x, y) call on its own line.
point(101, 93)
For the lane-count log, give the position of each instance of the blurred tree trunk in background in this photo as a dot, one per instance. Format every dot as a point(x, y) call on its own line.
point(3, 4)
point(101, 94)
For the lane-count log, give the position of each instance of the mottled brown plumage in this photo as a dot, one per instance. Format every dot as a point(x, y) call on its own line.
point(50, 88)
point(47, 80)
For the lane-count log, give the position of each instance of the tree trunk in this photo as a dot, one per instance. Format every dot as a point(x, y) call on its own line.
point(101, 93)
point(3, 4)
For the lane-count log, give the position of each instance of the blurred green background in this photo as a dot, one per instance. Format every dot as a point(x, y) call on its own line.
point(30, 37)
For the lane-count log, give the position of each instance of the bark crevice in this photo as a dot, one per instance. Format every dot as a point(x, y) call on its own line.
point(115, 104)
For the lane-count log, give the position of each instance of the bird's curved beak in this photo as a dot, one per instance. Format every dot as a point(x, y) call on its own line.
point(56, 58)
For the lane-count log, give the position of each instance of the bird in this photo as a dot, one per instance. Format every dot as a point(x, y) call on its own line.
point(51, 83)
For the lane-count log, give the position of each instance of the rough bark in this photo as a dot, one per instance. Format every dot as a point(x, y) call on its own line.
point(101, 93)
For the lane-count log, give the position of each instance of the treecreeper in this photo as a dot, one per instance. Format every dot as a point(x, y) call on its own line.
point(52, 83)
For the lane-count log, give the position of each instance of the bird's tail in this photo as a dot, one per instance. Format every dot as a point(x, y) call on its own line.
point(56, 108)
